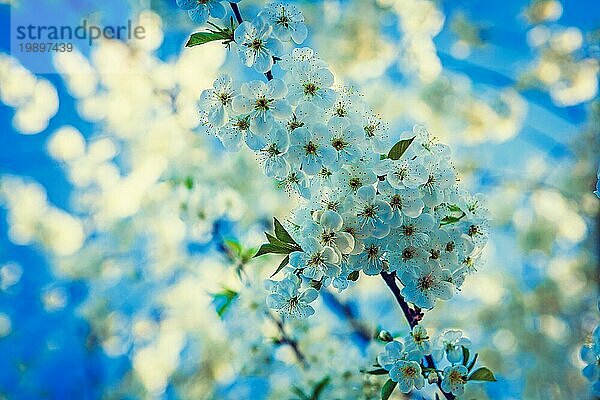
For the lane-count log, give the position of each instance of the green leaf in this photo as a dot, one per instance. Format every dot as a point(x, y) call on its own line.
point(387, 389)
point(378, 371)
point(465, 355)
point(353, 276)
point(223, 300)
point(454, 208)
point(282, 234)
point(268, 248)
point(472, 363)
point(451, 220)
point(319, 388)
point(399, 148)
point(282, 265)
point(273, 240)
point(189, 182)
point(199, 38)
point(247, 254)
point(298, 392)
point(482, 374)
point(234, 247)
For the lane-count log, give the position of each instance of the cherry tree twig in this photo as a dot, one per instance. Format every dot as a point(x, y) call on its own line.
point(413, 316)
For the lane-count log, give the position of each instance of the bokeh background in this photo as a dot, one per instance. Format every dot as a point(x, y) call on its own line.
point(119, 281)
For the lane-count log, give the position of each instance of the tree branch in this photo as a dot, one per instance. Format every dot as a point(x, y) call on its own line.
point(236, 12)
point(360, 329)
point(285, 339)
point(413, 316)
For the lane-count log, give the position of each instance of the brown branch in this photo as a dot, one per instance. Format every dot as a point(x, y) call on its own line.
point(413, 316)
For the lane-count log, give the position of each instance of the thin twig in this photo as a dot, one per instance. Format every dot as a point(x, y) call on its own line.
point(413, 316)
point(236, 12)
point(285, 339)
point(360, 329)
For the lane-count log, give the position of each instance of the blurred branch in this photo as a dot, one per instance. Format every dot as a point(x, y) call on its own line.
point(286, 339)
point(345, 310)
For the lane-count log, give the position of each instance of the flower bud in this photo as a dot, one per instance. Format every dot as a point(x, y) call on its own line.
point(385, 336)
point(432, 377)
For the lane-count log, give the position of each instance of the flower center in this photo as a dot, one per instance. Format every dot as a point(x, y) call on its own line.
point(316, 259)
point(338, 144)
point(262, 104)
point(310, 89)
point(396, 202)
point(341, 112)
point(426, 282)
point(328, 237)
point(272, 150)
point(372, 251)
point(419, 339)
point(332, 205)
point(370, 130)
point(310, 148)
point(294, 123)
point(408, 230)
point(225, 98)
point(242, 124)
point(450, 247)
point(354, 183)
point(401, 173)
point(325, 173)
point(283, 21)
point(456, 376)
point(408, 253)
point(409, 371)
point(435, 254)
point(473, 230)
point(294, 301)
point(370, 211)
point(256, 44)
point(430, 180)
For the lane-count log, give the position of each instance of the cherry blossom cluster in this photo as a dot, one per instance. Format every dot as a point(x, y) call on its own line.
point(402, 360)
point(365, 206)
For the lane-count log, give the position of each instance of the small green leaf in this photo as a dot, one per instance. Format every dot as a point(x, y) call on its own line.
point(319, 388)
point(465, 355)
point(247, 254)
point(454, 208)
point(482, 374)
point(282, 234)
point(298, 392)
point(399, 148)
point(234, 247)
point(268, 248)
point(353, 276)
point(273, 240)
point(199, 38)
point(282, 265)
point(189, 182)
point(223, 300)
point(472, 363)
point(451, 220)
point(378, 371)
point(387, 389)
